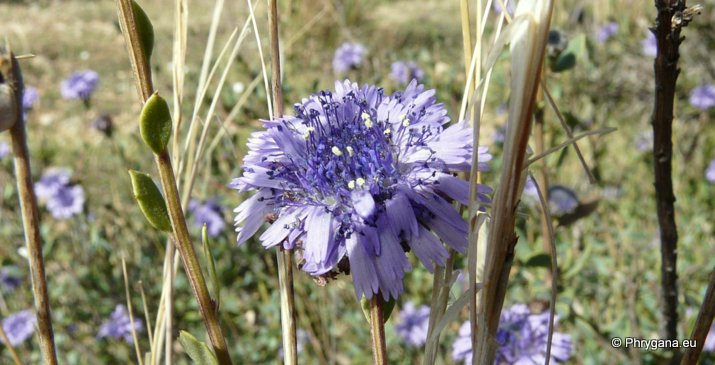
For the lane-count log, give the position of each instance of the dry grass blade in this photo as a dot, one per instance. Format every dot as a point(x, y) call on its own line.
point(10, 348)
point(140, 359)
point(570, 141)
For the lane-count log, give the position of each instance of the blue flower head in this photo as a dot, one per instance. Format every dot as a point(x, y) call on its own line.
point(80, 85)
point(119, 326)
point(19, 326)
point(413, 324)
point(348, 56)
point(360, 177)
point(403, 72)
point(210, 213)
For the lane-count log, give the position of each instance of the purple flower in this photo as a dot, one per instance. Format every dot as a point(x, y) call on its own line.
point(66, 202)
point(703, 97)
point(29, 97)
point(356, 176)
point(52, 181)
point(104, 124)
point(119, 326)
point(4, 150)
point(413, 324)
point(19, 326)
point(562, 200)
point(650, 45)
point(644, 141)
point(530, 189)
point(709, 344)
point(509, 7)
point(522, 339)
point(403, 72)
point(348, 56)
point(80, 85)
point(607, 31)
point(209, 213)
point(9, 278)
point(710, 172)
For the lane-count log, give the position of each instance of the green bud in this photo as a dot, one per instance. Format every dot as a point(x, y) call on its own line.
point(145, 30)
point(155, 123)
point(198, 351)
point(150, 200)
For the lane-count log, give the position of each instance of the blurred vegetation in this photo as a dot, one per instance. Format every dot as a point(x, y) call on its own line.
point(609, 260)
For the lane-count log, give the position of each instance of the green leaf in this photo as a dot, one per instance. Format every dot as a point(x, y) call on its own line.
point(539, 260)
point(155, 123)
point(567, 59)
point(387, 308)
point(198, 351)
point(213, 277)
point(145, 30)
point(150, 200)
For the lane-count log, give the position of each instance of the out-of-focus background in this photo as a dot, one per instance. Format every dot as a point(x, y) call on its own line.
point(608, 258)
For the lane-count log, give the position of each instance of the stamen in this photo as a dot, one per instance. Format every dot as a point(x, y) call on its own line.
point(336, 151)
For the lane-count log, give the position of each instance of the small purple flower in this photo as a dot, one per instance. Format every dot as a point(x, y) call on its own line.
point(703, 97)
point(4, 150)
point(19, 326)
point(119, 326)
point(509, 6)
point(650, 45)
point(52, 180)
point(348, 56)
point(66, 202)
point(209, 213)
point(607, 31)
point(29, 97)
point(522, 339)
point(562, 200)
point(413, 324)
point(104, 124)
point(710, 172)
point(644, 141)
point(80, 85)
point(403, 72)
point(358, 176)
point(709, 344)
point(9, 278)
point(530, 189)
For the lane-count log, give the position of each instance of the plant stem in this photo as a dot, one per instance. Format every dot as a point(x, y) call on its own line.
point(702, 324)
point(187, 253)
point(28, 206)
point(285, 257)
point(377, 330)
point(666, 74)
point(11, 350)
point(207, 307)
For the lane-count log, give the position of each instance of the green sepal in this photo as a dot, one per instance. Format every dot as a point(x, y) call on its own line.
point(155, 123)
point(387, 308)
point(145, 30)
point(213, 277)
point(150, 200)
point(198, 351)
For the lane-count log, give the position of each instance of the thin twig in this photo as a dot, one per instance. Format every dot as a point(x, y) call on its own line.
point(6, 341)
point(10, 73)
point(666, 75)
point(702, 324)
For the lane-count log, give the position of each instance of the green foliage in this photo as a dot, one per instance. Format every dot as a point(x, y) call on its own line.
point(575, 50)
point(145, 30)
point(211, 265)
point(150, 200)
point(198, 351)
point(155, 123)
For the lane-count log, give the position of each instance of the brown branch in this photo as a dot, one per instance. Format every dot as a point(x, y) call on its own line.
point(702, 324)
point(666, 74)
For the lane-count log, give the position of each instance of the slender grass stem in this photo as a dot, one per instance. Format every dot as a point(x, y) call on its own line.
point(702, 324)
point(285, 257)
point(12, 75)
point(13, 353)
point(377, 330)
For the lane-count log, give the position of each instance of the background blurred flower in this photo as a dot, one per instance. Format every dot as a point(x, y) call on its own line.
point(348, 56)
point(9, 278)
point(650, 45)
point(104, 124)
point(66, 202)
point(29, 97)
point(19, 326)
point(562, 200)
point(703, 97)
point(709, 344)
point(413, 324)
point(644, 141)
point(209, 213)
point(509, 6)
point(52, 180)
point(530, 189)
point(522, 339)
point(607, 31)
point(403, 72)
point(710, 172)
point(4, 149)
point(119, 326)
point(356, 174)
point(80, 85)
